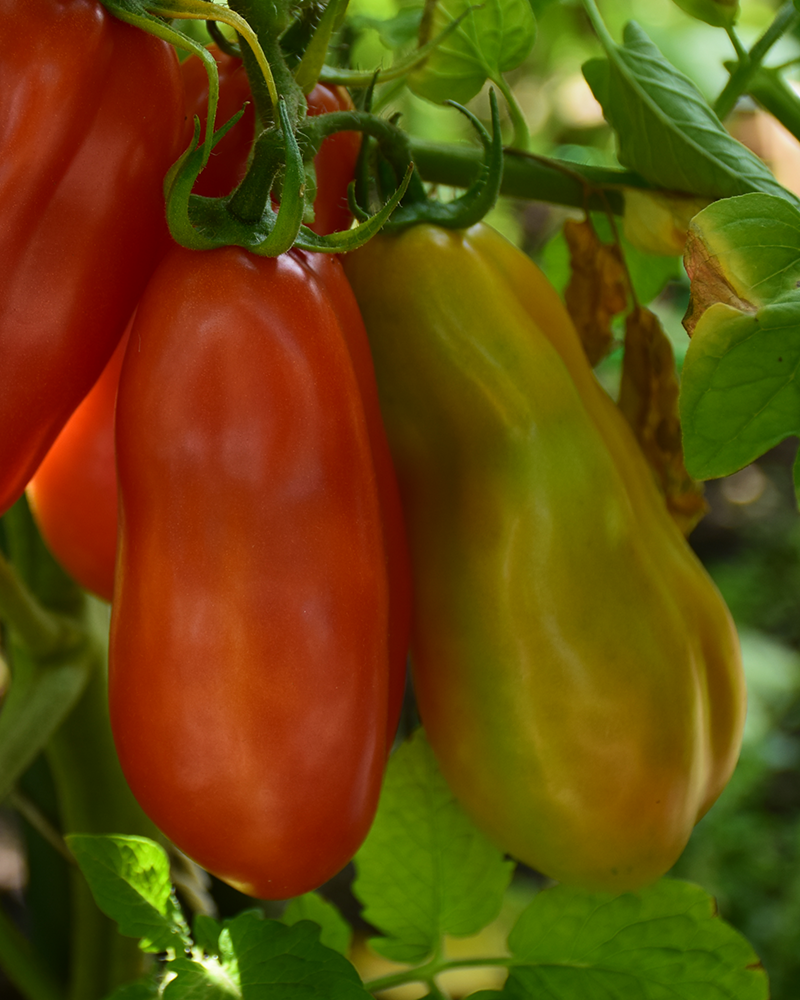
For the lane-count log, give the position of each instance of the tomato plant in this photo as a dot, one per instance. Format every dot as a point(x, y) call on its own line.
point(576, 701)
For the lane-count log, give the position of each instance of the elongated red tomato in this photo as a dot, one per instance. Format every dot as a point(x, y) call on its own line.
point(249, 663)
point(90, 120)
point(74, 492)
point(334, 164)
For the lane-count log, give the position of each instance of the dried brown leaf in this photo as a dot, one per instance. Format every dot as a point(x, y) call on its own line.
point(648, 399)
point(597, 289)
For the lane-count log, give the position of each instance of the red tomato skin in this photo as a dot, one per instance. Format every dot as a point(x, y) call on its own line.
point(91, 119)
point(249, 637)
point(335, 163)
point(73, 495)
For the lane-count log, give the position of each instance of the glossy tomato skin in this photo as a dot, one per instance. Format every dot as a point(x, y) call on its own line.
point(335, 163)
point(249, 660)
point(577, 672)
point(74, 492)
point(91, 119)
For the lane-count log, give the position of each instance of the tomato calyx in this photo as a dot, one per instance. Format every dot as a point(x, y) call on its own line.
point(246, 218)
point(417, 207)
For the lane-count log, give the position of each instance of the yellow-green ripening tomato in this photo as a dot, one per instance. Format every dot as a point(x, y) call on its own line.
point(577, 672)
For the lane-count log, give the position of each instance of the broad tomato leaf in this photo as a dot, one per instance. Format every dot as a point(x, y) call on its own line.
point(719, 13)
point(206, 980)
point(206, 931)
point(494, 38)
point(425, 870)
point(335, 932)
point(129, 879)
point(665, 129)
point(739, 392)
point(664, 941)
point(394, 32)
point(276, 962)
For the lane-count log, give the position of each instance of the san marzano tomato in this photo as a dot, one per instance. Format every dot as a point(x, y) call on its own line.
point(90, 120)
point(250, 639)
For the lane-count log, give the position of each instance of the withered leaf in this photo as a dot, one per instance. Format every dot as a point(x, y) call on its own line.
point(648, 399)
point(597, 289)
point(709, 283)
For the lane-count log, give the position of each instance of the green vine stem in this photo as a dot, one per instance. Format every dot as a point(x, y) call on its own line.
point(738, 48)
point(773, 93)
point(94, 798)
point(527, 176)
point(427, 973)
point(92, 794)
point(740, 78)
point(41, 631)
point(268, 21)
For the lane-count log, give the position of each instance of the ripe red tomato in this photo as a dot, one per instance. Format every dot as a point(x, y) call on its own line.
point(250, 635)
point(73, 495)
point(90, 121)
point(335, 163)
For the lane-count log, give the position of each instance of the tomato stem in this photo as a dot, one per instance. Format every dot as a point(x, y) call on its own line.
point(41, 631)
point(427, 972)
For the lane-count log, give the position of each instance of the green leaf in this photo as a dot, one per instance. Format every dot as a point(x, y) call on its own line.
point(493, 39)
point(129, 879)
point(206, 980)
point(662, 943)
point(394, 32)
point(35, 708)
point(665, 129)
point(425, 870)
point(739, 391)
point(335, 932)
point(276, 962)
point(206, 931)
point(718, 13)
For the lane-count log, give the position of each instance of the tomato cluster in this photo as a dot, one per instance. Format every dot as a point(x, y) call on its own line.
point(577, 673)
point(259, 574)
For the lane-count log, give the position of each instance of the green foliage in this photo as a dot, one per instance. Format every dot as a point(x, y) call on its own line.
point(129, 879)
point(665, 129)
point(335, 932)
point(739, 395)
point(720, 13)
point(425, 870)
point(663, 941)
point(493, 39)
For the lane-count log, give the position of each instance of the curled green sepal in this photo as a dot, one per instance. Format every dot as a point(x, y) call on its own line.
point(206, 223)
point(477, 200)
point(351, 239)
